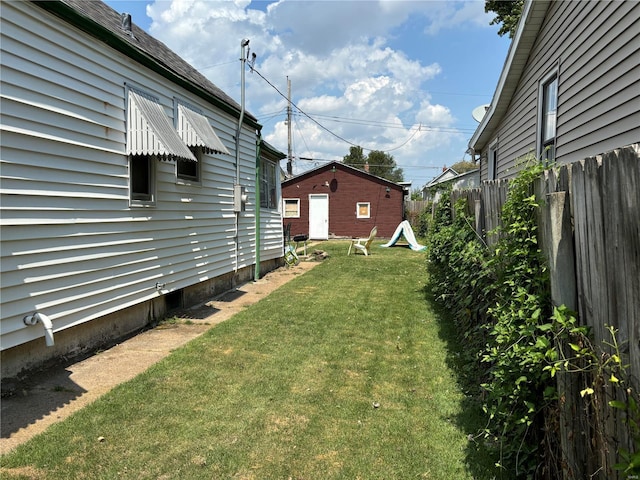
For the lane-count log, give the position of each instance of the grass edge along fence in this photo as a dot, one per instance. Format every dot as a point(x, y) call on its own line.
point(584, 218)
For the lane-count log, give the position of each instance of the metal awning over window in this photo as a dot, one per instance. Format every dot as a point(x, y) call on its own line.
point(195, 131)
point(150, 132)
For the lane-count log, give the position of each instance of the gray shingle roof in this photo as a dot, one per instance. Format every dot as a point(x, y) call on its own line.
point(83, 13)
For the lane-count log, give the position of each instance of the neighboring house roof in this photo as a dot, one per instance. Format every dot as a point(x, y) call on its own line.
point(100, 21)
point(271, 151)
point(470, 173)
point(460, 181)
point(328, 166)
point(446, 175)
point(533, 14)
point(467, 179)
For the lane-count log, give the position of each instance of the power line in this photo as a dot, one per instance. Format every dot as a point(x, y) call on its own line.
point(267, 117)
point(301, 135)
point(405, 142)
point(282, 112)
point(375, 123)
point(253, 69)
point(272, 114)
point(216, 65)
point(329, 160)
point(392, 124)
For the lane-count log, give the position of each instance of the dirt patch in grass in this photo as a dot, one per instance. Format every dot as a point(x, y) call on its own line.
point(29, 473)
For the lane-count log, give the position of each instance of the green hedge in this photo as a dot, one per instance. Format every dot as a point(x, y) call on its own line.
point(499, 298)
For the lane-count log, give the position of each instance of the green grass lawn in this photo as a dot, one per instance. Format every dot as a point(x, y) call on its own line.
point(341, 373)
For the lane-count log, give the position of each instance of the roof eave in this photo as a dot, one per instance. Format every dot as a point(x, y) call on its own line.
point(271, 151)
point(94, 29)
point(533, 15)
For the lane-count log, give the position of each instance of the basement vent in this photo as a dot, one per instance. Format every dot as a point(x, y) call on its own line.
point(173, 300)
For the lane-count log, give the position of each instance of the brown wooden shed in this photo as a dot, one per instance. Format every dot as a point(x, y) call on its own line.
point(337, 200)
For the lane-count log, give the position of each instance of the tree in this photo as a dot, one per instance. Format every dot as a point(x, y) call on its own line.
point(379, 163)
point(464, 166)
point(508, 12)
point(355, 158)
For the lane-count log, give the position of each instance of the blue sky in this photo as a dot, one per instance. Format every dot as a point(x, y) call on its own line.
point(391, 75)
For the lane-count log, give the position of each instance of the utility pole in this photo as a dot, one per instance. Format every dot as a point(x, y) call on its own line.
point(290, 155)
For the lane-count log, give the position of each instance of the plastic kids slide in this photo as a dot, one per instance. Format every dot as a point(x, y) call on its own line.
point(405, 229)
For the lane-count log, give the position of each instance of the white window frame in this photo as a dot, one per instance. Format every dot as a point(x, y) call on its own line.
point(137, 199)
point(492, 161)
point(546, 144)
point(363, 204)
point(284, 207)
point(268, 184)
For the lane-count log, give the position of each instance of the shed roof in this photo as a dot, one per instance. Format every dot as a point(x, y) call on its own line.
point(533, 14)
point(100, 21)
point(328, 166)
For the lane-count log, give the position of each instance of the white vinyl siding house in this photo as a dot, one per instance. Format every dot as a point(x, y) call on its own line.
point(589, 51)
point(271, 241)
point(81, 237)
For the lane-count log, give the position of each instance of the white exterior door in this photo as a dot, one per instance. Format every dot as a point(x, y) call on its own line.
point(319, 217)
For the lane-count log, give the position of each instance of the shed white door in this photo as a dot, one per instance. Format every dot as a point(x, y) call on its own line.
point(319, 217)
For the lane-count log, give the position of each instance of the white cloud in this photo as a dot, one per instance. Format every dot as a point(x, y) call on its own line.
point(434, 115)
point(340, 62)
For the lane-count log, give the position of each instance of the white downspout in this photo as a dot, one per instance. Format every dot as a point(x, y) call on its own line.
point(46, 323)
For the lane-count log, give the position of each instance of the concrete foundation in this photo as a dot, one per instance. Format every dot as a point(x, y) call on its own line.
point(106, 331)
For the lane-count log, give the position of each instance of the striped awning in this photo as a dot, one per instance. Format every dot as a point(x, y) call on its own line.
point(150, 132)
point(195, 131)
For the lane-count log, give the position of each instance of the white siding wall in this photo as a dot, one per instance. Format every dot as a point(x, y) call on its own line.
point(72, 248)
point(596, 47)
point(271, 243)
point(271, 246)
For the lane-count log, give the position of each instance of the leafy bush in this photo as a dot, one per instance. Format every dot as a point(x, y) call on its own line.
point(518, 387)
point(499, 299)
point(459, 277)
point(515, 342)
point(422, 222)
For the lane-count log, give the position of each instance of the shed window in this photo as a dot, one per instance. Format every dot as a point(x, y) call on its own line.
point(548, 116)
point(363, 210)
point(291, 208)
point(141, 180)
point(268, 185)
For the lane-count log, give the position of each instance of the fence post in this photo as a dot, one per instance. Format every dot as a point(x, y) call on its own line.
point(479, 218)
point(559, 250)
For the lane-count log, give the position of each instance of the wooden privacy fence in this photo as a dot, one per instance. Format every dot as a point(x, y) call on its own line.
point(590, 232)
point(413, 209)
